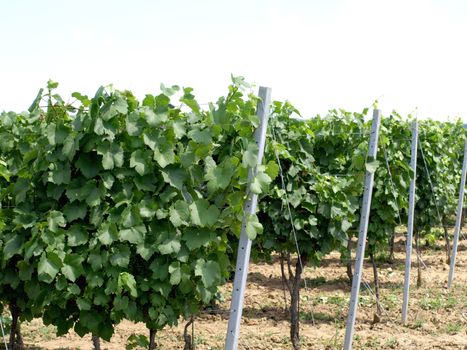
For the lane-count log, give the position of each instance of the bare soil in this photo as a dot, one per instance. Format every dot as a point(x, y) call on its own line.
point(437, 317)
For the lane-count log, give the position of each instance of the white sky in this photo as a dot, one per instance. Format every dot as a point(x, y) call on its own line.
point(317, 54)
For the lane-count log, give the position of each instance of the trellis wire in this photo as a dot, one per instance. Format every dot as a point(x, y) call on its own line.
point(378, 302)
point(397, 205)
point(392, 185)
point(288, 208)
point(291, 220)
point(3, 333)
point(431, 184)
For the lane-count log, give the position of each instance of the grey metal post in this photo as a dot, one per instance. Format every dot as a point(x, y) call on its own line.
point(457, 228)
point(365, 215)
point(408, 243)
point(244, 247)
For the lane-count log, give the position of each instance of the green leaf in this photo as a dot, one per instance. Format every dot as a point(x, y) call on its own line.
point(117, 106)
point(345, 225)
point(96, 260)
point(4, 172)
point(209, 271)
point(127, 282)
point(25, 270)
point(134, 235)
point(25, 220)
point(48, 267)
point(55, 219)
point(253, 227)
point(120, 104)
point(151, 139)
point(145, 250)
point(179, 129)
point(72, 266)
point(7, 141)
point(120, 256)
point(219, 177)
point(70, 146)
point(250, 155)
point(13, 246)
point(371, 165)
point(164, 157)
point(75, 210)
point(203, 214)
point(179, 213)
point(175, 273)
point(175, 175)
point(107, 233)
point(200, 136)
point(147, 208)
point(56, 133)
point(220, 116)
point(139, 161)
point(112, 155)
point(52, 84)
point(260, 183)
point(169, 246)
point(83, 304)
point(108, 180)
point(88, 165)
point(36, 102)
point(272, 169)
point(82, 98)
point(55, 191)
point(94, 197)
point(197, 238)
point(194, 106)
point(59, 173)
point(152, 118)
point(159, 270)
point(77, 235)
point(134, 124)
point(130, 217)
point(169, 91)
point(20, 188)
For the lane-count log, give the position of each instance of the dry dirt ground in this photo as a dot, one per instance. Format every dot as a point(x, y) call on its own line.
point(437, 317)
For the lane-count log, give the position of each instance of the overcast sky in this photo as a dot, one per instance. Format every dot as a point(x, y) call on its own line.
point(318, 54)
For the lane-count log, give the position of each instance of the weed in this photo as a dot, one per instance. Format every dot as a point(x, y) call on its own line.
point(437, 302)
point(400, 267)
point(382, 257)
point(316, 282)
point(334, 342)
point(391, 301)
point(365, 301)
point(317, 316)
point(453, 328)
point(200, 340)
point(338, 300)
point(372, 343)
point(418, 324)
point(392, 343)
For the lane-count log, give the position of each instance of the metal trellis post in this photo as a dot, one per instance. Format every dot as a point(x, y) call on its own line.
point(244, 247)
point(408, 244)
point(457, 228)
point(364, 218)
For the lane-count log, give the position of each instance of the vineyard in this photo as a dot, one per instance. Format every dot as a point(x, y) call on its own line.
point(118, 215)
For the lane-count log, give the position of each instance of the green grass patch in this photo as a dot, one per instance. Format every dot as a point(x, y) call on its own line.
point(453, 328)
